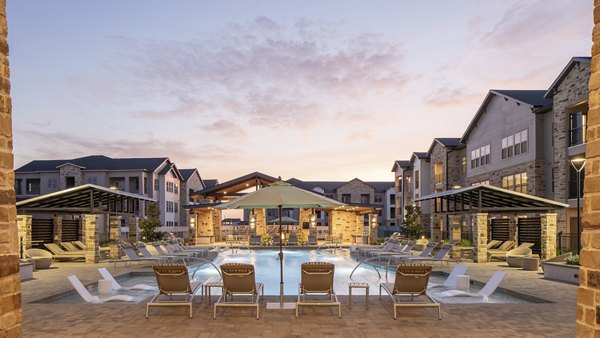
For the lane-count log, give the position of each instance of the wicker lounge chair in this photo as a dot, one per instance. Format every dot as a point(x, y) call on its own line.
point(502, 253)
point(514, 257)
point(501, 250)
point(60, 254)
point(87, 296)
point(317, 280)
point(42, 259)
point(173, 282)
point(410, 288)
point(70, 247)
point(493, 244)
point(238, 282)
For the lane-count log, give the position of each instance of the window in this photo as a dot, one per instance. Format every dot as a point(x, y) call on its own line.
point(70, 181)
point(416, 179)
point(577, 128)
point(170, 186)
point(169, 206)
point(190, 193)
point(516, 182)
point(176, 188)
point(52, 183)
point(573, 182)
point(480, 156)
point(399, 183)
point(345, 198)
point(176, 223)
point(92, 180)
point(464, 165)
point(365, 198)
point(438, 170)
point(32, 186)
point(145, 185)
point(515, 144)
point(155, 184)
point(18, 187)
point(392, 198)
point(392, 211)
point(176, 208)
point(169, 223)
point(378, 198)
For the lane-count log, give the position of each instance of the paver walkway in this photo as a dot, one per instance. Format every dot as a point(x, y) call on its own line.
point(556, 318)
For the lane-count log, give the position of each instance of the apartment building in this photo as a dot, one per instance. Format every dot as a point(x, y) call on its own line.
point(156, 178)
point(402, 170)
point(412, 180)
point(190, 182)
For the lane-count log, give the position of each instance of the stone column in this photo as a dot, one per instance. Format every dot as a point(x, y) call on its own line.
point(304, 217)
point(24, 231)
point(436, 228)
point(480, 237)
point(114, 230)
point(133, 223)
point(92, 243)
point(513, 231)
point(57, 223)
point(216, 221)
point(549, 224)
point(261, 221)
point(455, 234)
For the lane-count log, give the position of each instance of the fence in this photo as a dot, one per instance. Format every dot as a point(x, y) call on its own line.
point(566, 242)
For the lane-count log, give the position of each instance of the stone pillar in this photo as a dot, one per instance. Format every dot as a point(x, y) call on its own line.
point(133, 223)
point(480, 237)
point(436, 228)
point(205, 230)
point(114, 231)
point(216, 221)
point(91, 241)
point(588, 295)
point(24, 231)
point(57, 224)
point(304, 217)
point(261, 221)
point(10, 292)
point(513, 234)
point(549, 224)
point(342, 223)
point(455, 234)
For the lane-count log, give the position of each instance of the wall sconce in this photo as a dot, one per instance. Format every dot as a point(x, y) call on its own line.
point(313, 220)
point(373, 220)
point(193, 221)
point(252, 221)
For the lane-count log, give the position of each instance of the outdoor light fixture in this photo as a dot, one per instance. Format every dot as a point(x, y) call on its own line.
point(192, 221)
point(578, 164)
point(252, 221)
point(373, 220)
point(313, 220)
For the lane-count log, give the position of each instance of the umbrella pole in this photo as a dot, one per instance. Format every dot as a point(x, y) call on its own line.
point(280, 261)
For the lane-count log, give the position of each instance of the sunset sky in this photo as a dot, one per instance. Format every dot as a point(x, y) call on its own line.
point(318, 90)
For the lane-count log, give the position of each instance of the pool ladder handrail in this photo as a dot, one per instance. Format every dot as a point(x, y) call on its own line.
point(205, 261)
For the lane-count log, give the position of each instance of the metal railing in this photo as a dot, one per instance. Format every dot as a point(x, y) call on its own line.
point(566, 242)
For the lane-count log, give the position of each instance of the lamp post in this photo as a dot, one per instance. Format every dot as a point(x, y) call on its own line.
point(578, 164)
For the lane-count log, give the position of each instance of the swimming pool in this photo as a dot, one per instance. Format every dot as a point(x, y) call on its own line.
point(266, 262)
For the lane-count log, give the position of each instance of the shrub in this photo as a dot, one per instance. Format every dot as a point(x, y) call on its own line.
point(412, 222)
point(573, 260)
point(149, 224)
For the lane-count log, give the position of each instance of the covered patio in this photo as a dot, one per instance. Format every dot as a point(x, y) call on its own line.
point(518, 217)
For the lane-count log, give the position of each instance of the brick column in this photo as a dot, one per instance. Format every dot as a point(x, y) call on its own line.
point(10, 292)
point(588, 295)
point(24, 230)
point(480, 237)
point(455, 233)
point(133, 223)
point(57, 224)
point(92, 243)
point(549, 224)
point(114, 226)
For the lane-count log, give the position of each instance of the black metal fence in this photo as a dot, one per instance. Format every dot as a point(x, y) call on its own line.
point(566, 242)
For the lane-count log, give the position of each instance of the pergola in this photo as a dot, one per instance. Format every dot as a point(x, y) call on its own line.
point(481, 200)
point(88, 200)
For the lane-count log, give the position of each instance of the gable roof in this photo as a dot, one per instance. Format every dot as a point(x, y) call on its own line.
point(232, 188)
point(171, 167)
point(186, 174)
point(446, 142)
point(401, 164)
point(210, 182)
point(563, 74)
point(420, 155)
point(533, 98)
point(334, 185)
point(96, 162)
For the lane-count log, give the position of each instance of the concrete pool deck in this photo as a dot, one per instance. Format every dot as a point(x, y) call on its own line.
point(555, 318)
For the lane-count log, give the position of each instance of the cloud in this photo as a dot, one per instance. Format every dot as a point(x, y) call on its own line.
point(451, 95)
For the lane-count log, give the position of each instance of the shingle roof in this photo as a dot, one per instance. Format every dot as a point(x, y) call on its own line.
point(96, 162)
point(333, 185)
point(421, 155)
point(381, 186)
point(209, 183)
point(449, 141)
point(534, 98)
point(187, 173)
point(401, 164)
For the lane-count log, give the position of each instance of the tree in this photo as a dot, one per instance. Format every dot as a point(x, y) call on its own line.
point(412, 222)
point(149, 224)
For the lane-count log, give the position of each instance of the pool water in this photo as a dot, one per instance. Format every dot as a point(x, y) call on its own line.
point(266, 264)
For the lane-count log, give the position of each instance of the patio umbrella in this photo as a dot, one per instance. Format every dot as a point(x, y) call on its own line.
point(280, 195)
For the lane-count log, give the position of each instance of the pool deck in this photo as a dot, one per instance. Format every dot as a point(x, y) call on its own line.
point(555, 318)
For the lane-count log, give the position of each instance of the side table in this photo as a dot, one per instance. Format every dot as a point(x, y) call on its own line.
point(358, 286)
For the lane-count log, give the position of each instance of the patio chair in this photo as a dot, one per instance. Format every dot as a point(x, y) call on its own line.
point(293, 240)
point(450, 282)
point(439, 256)
point(502, 253)
point(487, 290)
point(409, 287)
point(493, 244)
point(164, 251)
point(514, 257)
point(116, 286)
point(501, 250)
point(312, 240)
point(173, 282)
point(403, 249)
point(391, 245)
point(238, 282)
point(60, 254)
point(70, 247)
point(42, 259)
point(143, 249)
point(132, 256)
point(176, 245)
point(316, 279)
point(421, 243)
point(255, 240)
point(423, 254)
point(80, 245)
point(89, 298)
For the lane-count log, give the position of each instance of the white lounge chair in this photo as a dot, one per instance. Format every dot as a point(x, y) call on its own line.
point(88, 297)
point(484, 293)
point(116, 286)
point(450, 282)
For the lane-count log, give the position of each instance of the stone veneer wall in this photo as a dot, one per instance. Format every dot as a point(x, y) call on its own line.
point(588, 295)
point(573, 89)
point(355, 188)
point(342, 223)
point(10, 283)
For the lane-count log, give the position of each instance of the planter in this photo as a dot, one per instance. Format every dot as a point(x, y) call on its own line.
point(26, 270)
point(561, 272)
